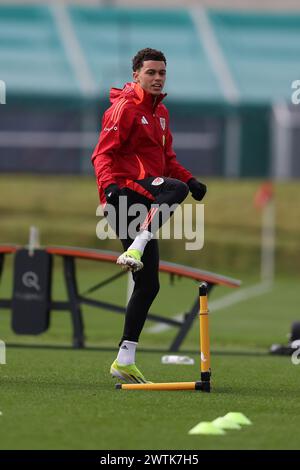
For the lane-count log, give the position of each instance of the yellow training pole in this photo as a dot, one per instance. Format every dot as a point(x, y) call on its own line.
point(204, 336)
point(204, 384)
point(159, 386)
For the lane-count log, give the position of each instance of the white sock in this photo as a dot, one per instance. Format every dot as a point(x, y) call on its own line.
point(141, 241)
point(126, 353)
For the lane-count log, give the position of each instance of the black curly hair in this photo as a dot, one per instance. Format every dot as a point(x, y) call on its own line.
point(146, 54)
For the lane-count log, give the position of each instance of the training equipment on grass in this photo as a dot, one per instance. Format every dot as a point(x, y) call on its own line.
point(207, 428)
point(225, 423)
point(31, 292)
point(232, 421)
point(205, 370)
point(76, 299)
point(237, 417)
point(174, 359)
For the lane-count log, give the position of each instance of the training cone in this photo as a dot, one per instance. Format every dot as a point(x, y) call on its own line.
point(207, 428)
point(238, 418)
point(224, 423)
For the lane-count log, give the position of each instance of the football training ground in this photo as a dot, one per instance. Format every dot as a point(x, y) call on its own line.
point(59, 398)
point(54, 397)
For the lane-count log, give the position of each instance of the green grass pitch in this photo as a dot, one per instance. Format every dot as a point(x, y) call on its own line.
point(65, 399)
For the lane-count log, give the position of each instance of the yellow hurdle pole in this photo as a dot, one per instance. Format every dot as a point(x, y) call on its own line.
point(205, 369)
point(161, 386)
point(204, 384)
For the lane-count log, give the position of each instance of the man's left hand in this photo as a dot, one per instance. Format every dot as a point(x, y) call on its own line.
point(197, 189)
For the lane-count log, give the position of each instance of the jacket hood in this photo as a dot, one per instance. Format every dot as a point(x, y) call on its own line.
point(135, 93)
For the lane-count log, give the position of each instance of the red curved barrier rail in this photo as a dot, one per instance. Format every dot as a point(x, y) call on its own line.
point(164, 266)
point(76, 300)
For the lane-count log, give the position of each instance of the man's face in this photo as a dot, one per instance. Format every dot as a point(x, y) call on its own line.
point(151, 76)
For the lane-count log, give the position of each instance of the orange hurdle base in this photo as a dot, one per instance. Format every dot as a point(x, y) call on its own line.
point(203, 386)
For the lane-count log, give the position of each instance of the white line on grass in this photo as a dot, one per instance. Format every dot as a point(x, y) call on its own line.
point(219, 304)
point(160, 327)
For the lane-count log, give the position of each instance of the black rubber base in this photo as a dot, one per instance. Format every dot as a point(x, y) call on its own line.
point(118, 386)
point(203, 386)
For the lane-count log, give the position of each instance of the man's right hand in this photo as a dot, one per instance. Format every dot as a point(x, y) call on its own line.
point(112, 193)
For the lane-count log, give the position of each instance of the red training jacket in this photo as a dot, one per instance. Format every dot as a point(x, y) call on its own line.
point(135, 141)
